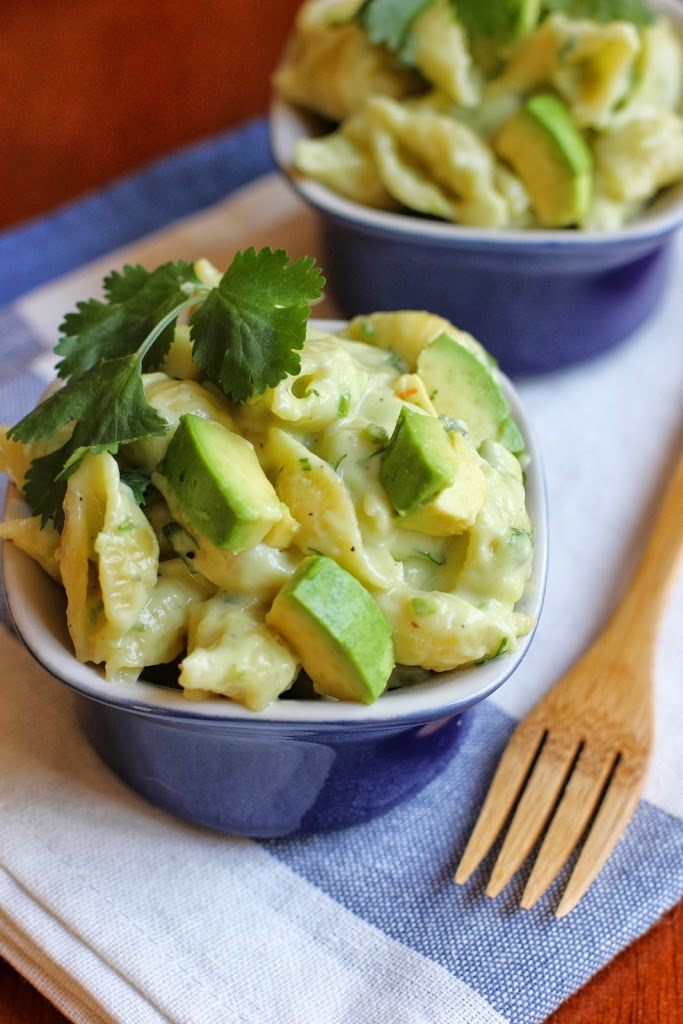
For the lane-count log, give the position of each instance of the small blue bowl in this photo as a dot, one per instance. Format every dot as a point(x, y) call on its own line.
point(537, 299)
point(299, 766)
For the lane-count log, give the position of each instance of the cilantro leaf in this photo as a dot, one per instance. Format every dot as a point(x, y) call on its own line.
point(388, 23)
point(246, 332)
point(108, 407)
point(636, 11)
point(43, 491)
point(139, 481)
point(137, 299)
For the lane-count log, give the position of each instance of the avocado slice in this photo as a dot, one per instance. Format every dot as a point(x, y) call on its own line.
point(418, 462)
point(455, 508)
point(463, 388)
point(219, 485)
point(336, 630)
point(545, 147)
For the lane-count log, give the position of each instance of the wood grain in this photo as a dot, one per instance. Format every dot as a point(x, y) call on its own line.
point(575, 735)
point(100, 88)
point(93, 89)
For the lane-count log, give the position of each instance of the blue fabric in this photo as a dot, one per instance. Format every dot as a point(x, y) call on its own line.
point(396, 872)
point(136, 205)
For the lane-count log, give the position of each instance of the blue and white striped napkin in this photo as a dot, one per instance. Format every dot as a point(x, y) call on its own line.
point(120, 913)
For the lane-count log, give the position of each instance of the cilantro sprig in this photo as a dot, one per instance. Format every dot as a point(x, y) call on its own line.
point(245, 332)
point(136, 301)
point(389, 22)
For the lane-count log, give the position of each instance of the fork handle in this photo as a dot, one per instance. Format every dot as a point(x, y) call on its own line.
point(642, 603)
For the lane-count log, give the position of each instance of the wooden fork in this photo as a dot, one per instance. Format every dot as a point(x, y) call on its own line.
point(579, 759)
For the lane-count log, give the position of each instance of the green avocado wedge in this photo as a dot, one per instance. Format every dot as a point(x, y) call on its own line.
point(545, 147)
point(336, 630)
point(456, 507)
point(219, 485)
point(418, 462)
point(462, 387)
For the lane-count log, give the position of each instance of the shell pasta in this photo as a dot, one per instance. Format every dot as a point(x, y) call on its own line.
point(439, 145)
point(441, 571)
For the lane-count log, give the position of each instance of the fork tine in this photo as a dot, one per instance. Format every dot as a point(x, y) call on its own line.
point(577, 804)
point(507, 783)
point(535, 807)
point(613, 815)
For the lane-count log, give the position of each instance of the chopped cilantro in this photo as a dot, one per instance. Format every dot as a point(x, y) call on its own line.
point(430, 556)
point(501, 649)
point(397, 361)
point(344, 403)
point(377, 433)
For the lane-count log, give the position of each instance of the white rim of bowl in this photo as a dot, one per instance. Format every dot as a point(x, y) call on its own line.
point(41, 624)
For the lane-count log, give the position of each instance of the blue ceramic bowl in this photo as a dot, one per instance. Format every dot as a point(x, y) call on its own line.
point(537, 299)
point(297, 767)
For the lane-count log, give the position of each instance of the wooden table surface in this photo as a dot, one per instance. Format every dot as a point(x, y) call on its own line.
point(98, 89)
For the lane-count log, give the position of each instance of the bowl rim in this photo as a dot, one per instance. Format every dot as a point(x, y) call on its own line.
point(288, 123)
point(37, 609)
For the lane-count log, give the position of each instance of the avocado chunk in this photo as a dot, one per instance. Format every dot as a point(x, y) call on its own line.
point(455, 508)
point(462, 387)
point(418, 462)
point(336, 630)
point(545, 147)
point(219, 485)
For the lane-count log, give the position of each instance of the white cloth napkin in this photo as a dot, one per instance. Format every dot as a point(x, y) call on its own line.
point(119, 913)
